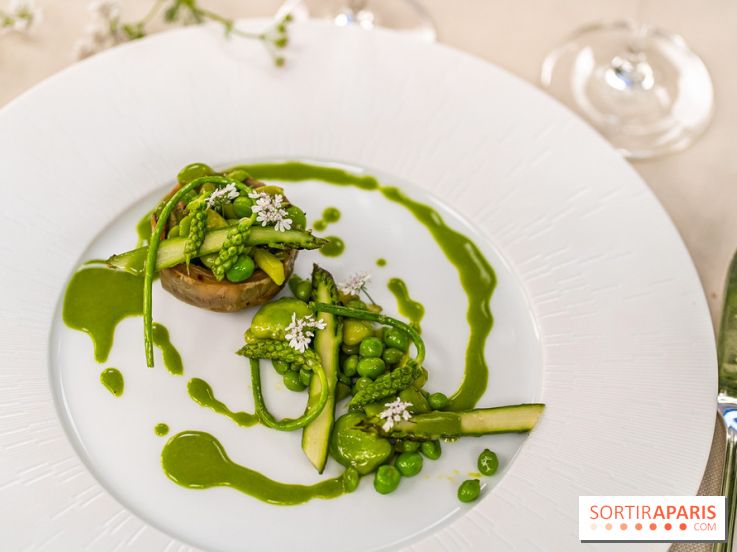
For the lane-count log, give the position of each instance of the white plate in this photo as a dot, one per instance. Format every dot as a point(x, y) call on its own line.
point(599, 312)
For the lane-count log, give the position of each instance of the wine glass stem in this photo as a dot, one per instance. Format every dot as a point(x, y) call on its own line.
point(355, 6)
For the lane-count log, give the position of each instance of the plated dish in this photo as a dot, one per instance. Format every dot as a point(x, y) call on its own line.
point(225, 241)
point(584, 320)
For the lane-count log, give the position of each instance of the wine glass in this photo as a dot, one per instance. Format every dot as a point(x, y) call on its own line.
point(407, 16)
point(643, 88)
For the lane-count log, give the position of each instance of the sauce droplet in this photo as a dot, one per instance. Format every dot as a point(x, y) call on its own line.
point(381, 262)
point(113, 381)
point(197, 460)
point(201, 392)
point(334, 247)
point(161, 429)
point(413, 310)
point(97, 299)
point(172, 358)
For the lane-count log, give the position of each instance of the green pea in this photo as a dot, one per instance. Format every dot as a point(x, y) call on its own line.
point(305, 376)
point(488, 462)
point(174, 232)
point(355, 331)
point(370, 367)
point(392, 355)
point(409, 464)
point(242, 206)
point(438, 401)
point(342, 391)
point(371, 347)
point(386, 479)
point(293, 382)
point(207, 187)
point(281, 367)
point(299, 220)
point(360, 384)
point(351, 479)
point(193, 171)
point(303, 290)
point(422, 378)
point(349, 349)
point(394, 337)
point(409, 446)
point(238, 174)
point(356, 304)
point(469, 490)
point(431, 449)
point(350, 365)
point(229, 211)
point(242, 270)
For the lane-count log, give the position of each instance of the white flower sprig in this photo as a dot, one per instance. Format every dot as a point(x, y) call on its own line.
point(355, 284)
point(221, 195)
point(20, 17)
point(299, 333)
point(269, 209)
point(395, 411)
point(103, 31)
point(108, 29)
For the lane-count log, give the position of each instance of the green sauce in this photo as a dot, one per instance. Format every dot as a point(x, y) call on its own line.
point(335, 247)
point(380, 262)
point(161, 429)
point(331, 214)
point(201, 393)
point(172, 358)
point(143, 229)
point(320, 225)
point(197, 460)
point(97, 299)
point(476, 275)
point(113, 381)
point(407, 306)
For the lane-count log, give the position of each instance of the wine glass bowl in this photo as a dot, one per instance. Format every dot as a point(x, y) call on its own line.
point(643, 88)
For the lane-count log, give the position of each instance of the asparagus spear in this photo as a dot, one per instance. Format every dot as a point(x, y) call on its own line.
point(172, 251)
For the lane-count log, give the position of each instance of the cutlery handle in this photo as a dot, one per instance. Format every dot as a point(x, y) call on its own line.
point(728, 486)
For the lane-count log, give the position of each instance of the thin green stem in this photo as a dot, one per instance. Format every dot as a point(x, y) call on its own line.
point(151, 256)
point(381, 319)
point(287, 424)
point(152, 12)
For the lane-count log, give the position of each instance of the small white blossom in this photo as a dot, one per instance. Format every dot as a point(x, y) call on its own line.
point(103, 31)
point(22, 15)
point(355, 283)
point(229, 193)
point(299, 332)
point(105, 9)
point(269, 209)
point(395, 411)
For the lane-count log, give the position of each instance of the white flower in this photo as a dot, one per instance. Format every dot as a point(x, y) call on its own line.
point(395, 411)
point(105, 9)
point(355, 283)
point(229, 192)
point(269, 209)
point(299, 333)
point(103, 31)
point(24, 14)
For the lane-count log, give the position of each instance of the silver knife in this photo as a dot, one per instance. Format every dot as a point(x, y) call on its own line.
point(727, 398)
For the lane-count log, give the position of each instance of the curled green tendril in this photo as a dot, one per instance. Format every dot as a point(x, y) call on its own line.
point(152, 254)
point(287, 424)
point(381, 319)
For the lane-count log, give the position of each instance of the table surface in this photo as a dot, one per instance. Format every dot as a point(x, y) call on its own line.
point(693, 186)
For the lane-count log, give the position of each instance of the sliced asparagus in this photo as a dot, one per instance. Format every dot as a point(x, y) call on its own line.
point(171, 251)
point(481, 421)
